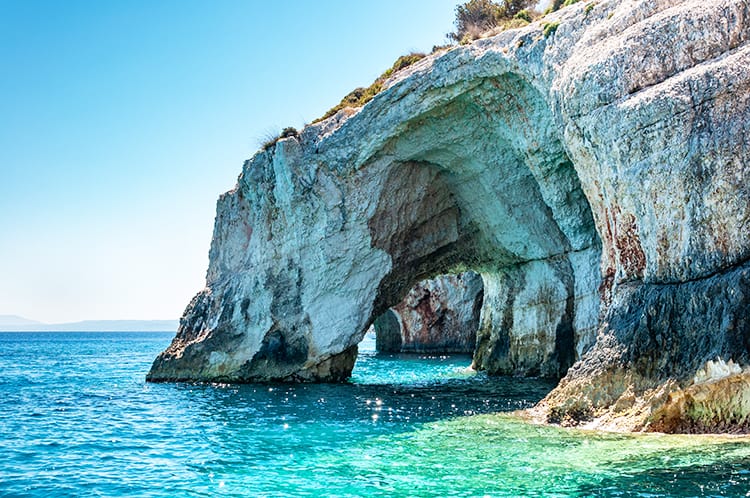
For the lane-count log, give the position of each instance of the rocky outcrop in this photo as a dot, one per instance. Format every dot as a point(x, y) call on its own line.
point(389, 332)
point(593, 170)
point(656, 342)
point(439, 315)
point(538, 317)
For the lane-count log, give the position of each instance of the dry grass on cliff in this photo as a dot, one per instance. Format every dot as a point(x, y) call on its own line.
point(270, 137)
point(516, 22)
point(360, 96)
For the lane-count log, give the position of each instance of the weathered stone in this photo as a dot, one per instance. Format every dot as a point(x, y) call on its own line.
point(439, 315)
point(529, 315)
point(388, 332)
point(720, 405)
point(657, 334)
point(620, 138)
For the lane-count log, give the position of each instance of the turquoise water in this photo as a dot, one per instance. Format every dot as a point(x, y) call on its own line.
point(77, 419)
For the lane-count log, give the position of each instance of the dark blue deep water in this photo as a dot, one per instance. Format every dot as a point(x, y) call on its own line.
point(77, 419)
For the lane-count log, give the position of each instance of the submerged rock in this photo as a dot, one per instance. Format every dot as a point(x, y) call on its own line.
point(597, 176)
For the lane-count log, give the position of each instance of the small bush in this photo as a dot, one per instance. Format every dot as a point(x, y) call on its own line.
point(525, 15)
point(589, 8)
point(360, 96)
point(269, 138)
point(402, 62)
point(506, 25)
point(558, 4)
point(549, 28)
point(289, 132)
point(438, 48)
point(476, 17)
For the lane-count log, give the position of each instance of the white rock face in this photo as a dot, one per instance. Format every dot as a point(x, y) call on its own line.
point(597, 179)
point(716, 370)
point(539, 317)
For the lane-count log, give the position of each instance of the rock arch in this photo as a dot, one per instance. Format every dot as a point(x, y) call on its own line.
point(483, 182)
point(573, 168)
point(438, 315)
point(302, 265)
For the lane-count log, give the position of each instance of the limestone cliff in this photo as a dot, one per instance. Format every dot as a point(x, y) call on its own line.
point(439, 315)
point(593, 170)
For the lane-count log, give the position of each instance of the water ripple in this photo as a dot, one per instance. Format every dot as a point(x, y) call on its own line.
point(77, 419)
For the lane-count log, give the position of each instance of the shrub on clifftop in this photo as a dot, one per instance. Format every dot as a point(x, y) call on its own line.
point(476, 17)
point(360, 96)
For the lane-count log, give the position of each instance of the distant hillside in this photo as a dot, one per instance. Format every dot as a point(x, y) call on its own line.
point(15, 320)
point(88, 325)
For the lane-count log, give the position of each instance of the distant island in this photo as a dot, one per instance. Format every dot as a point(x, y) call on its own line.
point(15, 323)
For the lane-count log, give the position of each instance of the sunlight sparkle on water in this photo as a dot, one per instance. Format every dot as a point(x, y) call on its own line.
point(75, 419)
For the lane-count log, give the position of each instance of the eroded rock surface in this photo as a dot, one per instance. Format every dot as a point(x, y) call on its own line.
point(597, 178)
point(439, 315)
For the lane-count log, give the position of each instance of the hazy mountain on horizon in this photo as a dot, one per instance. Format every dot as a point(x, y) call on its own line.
point(11, 320)
point(15, 323)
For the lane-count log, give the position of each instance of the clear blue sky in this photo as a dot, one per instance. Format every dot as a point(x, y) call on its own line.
point(121, 122)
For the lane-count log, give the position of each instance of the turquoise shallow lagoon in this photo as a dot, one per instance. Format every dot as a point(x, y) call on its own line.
point(77, 419)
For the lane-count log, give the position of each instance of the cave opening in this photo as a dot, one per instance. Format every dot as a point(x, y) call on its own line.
point(430, 334)
point(484, 184)
point(437, 316)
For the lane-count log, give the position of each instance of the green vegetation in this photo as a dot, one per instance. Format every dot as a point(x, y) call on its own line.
point(360, 96)
point(270, 138)
point(558, 4)
point(524, 15)
point(289, 131)
point(477, 17)
point(548, 28)
point(474, 18)
point(589, 8)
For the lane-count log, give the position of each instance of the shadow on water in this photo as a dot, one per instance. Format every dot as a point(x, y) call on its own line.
point(393, 403)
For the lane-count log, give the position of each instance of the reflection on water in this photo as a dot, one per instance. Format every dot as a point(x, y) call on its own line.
point(77, 419)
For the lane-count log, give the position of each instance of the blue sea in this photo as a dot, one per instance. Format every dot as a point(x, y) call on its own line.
point(77, 419)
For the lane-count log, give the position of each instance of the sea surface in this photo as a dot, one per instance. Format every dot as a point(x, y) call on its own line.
point(77, 419)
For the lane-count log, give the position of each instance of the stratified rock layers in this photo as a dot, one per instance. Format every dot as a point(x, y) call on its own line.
point(596, 177)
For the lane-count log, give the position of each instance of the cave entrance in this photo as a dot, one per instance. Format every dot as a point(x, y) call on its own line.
point(478, 180)
point(437, 316)
point(428, 336)
point(484, 183)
